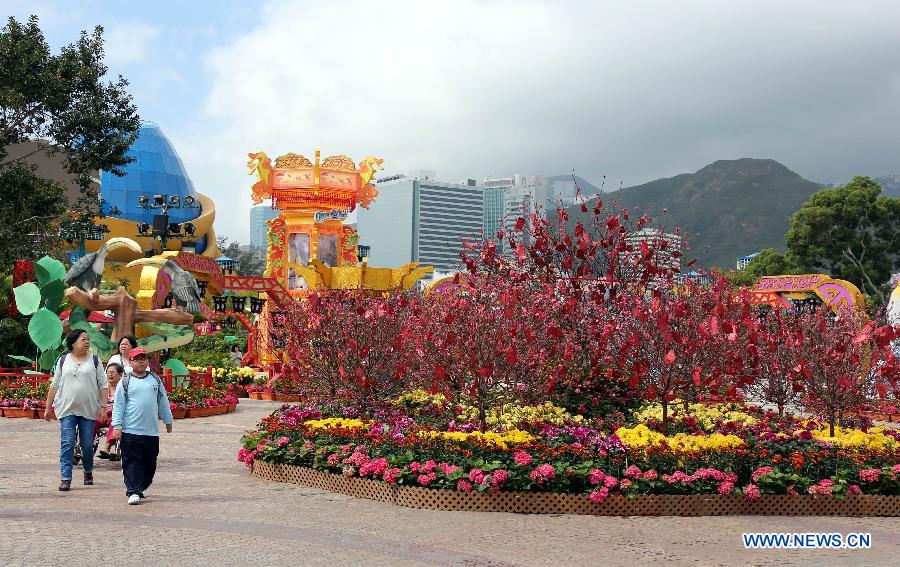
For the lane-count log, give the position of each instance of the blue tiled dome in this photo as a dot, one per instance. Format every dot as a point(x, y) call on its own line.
point(157, 170)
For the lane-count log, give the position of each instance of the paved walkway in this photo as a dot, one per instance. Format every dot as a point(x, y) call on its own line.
point(204, 508)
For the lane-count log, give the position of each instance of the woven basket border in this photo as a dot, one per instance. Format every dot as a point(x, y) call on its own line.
point(560, 503)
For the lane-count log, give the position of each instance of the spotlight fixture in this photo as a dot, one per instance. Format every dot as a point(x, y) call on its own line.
point(143, 199)
point(174, 228)
point(159, 200)
point(188, 200)
point(143, 228)
point(189, 228)
point(174, 199)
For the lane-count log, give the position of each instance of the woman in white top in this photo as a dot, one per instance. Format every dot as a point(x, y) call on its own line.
point(126, 343)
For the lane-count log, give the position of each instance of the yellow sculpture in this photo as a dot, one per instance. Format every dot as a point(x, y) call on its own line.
point(260, 164)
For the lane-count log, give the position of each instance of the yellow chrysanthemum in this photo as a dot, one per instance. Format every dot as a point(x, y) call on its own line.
point(334, 423)
point(874, 440)
point(706, 415)
point(642, 437)
point(502, 440)
point(511, 416)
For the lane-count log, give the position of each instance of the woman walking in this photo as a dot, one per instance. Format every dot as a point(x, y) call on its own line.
point(79, 395)
point(123, 357)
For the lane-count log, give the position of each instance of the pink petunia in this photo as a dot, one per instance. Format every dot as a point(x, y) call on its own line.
point(599, 495)
point(761, 471)
point(522, 458)
point(870, 475)
point(633, 472)
point(463, 485)
point(752, 492)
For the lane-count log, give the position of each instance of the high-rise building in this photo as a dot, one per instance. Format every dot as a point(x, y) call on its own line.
point(421, 220)
point(259, 230)
point(653, 237)
point(744, 261)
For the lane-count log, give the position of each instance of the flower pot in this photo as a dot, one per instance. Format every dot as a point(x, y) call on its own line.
point(179, 413)
point(267, 396)
point(218, 410)
point(19, 412)
point(40, 414)
point(231, 408)
point(242, 394)
point(287, 398)
point(254, 395)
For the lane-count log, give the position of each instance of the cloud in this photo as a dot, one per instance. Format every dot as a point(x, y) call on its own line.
point(472, 88)
point(129, 42)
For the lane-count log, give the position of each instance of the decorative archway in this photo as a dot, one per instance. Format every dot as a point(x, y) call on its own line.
point(839, 295)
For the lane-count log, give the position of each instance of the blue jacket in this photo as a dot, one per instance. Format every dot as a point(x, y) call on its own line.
point(147, 404)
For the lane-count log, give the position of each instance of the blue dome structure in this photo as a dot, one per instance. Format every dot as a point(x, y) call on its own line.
point(157, 170)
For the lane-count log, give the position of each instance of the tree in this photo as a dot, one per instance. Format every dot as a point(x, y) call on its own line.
point(681, 343)
point(250, 263)
point(30, 215)
point(63, 101)
point(851, 232)
point(838, 367)
point(778, 382)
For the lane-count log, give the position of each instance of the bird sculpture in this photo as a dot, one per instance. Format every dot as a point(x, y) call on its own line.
point(87, 271)
point(184, 287)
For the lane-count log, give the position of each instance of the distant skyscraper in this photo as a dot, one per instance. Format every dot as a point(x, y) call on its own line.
point(419, 220)
point(259, 230)
point(744, 261)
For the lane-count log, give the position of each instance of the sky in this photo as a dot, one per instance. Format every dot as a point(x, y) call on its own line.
point(634, 91)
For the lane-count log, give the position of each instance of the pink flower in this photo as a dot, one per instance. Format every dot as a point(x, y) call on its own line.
point(334, 459)
point(522, 458)
point(242, 455)
point(283, 441)
point(870, 475)
point(426, 479)
point(414, 466)
point(477, 476)
point(543, 472)
point(650, 475)
point(345, 448)
point(391, 475)
point(752, 492)
point(463, 485)
point(854, 489)
point(725, 487)
point(610, 482)
point(792, 491)
point(896, 469)
point(348, 471)
point(428, 466)
point(624, 484)
point(633, 472)
point(596, 476)
point(448, 469)
point(499, 477)
point(761, 471)
point(824, 486)
point(599, 495)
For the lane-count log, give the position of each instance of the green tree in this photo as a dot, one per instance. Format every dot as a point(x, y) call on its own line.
point(851, 232)
point(251, 263)
point(63, 101)
point(30, 215)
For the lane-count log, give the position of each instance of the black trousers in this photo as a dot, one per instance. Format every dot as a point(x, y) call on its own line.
point(139, 454)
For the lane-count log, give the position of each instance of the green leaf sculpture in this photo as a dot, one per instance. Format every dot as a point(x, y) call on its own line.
point(48, 269)
point(180, 371)
point(45, 329)
point(28, 298)
point(52, 292)
point(49, 357)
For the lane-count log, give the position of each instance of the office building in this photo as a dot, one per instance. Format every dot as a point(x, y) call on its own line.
point(259, 230)
point(744, 261)
point(418, 219)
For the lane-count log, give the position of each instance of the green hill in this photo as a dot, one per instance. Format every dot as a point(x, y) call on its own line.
point(728, 209)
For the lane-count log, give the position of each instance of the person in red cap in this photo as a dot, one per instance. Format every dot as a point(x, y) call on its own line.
point(140, 403)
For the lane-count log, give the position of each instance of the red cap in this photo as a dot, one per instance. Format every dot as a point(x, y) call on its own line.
point(136, 352)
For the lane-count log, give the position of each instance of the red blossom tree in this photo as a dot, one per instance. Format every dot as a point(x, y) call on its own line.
point(845, 362)
point(681, 342)
point(778, 381)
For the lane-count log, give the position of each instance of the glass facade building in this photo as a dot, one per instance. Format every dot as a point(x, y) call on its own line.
point(259, 230)
point(156, 170)
point(421, 221)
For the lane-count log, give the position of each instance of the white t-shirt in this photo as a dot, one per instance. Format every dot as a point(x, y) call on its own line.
point(117, 358)
point(78, 387)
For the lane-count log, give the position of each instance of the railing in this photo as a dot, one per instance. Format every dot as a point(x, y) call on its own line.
point(19, 377)
point(170, 381)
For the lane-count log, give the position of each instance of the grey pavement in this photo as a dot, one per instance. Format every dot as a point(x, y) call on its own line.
point(205, 509)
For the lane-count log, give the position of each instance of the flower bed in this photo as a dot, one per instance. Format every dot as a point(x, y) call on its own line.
point(20, 400)
point(201, 401)
point(709, 449)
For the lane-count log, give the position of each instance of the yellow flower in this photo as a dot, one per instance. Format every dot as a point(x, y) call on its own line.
point(706, 415)
point(502, 440)
point(874, 440)
point(642, 437)
point(334, 423)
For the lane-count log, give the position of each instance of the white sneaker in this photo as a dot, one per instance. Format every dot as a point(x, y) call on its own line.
point(145, 493)
point(134, 499)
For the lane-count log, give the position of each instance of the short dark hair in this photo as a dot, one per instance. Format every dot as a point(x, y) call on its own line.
point(132, 340)
point(73, 336)
point(116, 366)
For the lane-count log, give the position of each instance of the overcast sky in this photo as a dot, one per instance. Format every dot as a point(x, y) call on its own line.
point(633, 90)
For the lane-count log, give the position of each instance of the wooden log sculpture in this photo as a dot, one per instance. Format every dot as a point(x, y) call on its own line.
point(125, 309)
